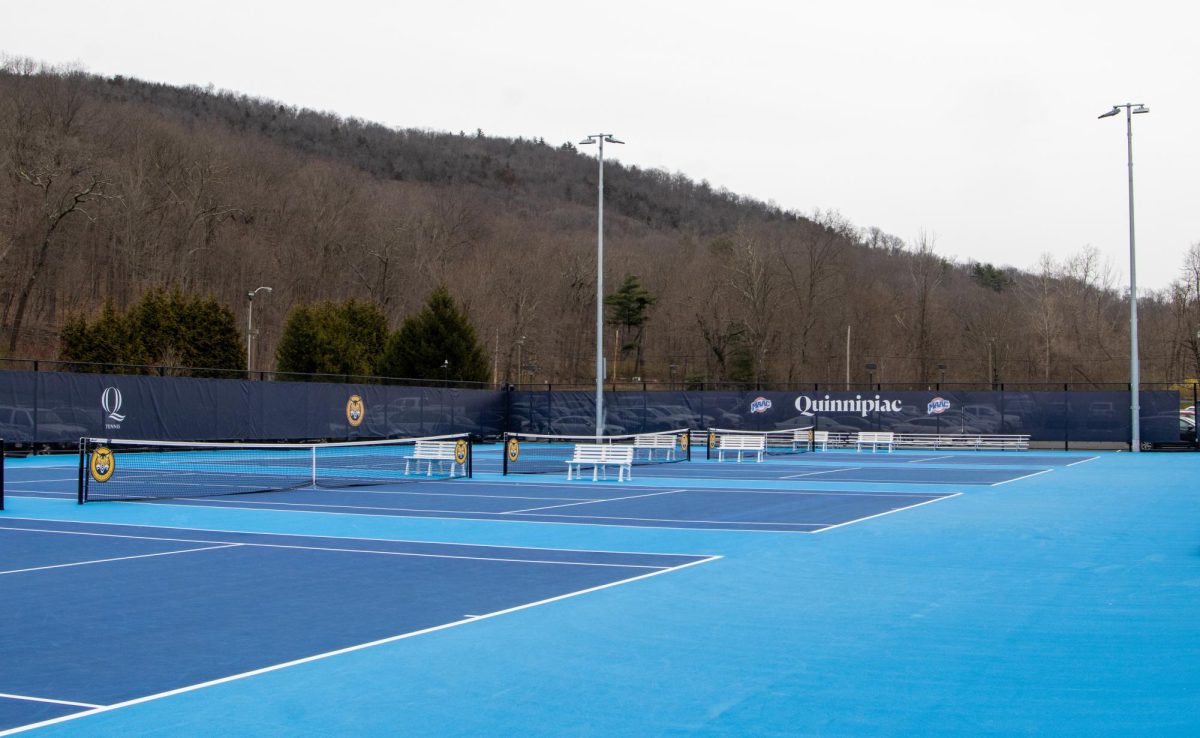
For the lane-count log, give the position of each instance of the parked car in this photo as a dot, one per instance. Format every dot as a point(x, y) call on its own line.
point(1187, 431)
point(17, 427)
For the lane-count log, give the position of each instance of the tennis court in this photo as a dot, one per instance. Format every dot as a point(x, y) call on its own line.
point(1056, 598)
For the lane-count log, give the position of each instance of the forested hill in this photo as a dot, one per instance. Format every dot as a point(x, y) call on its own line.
point(530, 168)
point(112, 187)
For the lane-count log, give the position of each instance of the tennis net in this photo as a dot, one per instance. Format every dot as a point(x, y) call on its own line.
point(137, 470)
point(786, 441)
point(536, 453)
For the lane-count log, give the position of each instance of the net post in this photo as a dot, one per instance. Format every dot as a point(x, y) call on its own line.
point(504, 451)
point(470, 457)
point(1, 473)
point(81, 493)
point(313, 456)
point(688, 434)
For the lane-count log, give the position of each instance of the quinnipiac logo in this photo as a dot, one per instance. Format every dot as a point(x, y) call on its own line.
point(102, 464)
point(514, 449)
point(110, 401)
point(355, 411)
point(460, 452)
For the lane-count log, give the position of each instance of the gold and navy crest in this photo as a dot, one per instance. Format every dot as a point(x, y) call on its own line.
point(712, 440)
point(102, 464)
point(460, 452)
point(683, 442)
point(355, 411)
point(514, 449)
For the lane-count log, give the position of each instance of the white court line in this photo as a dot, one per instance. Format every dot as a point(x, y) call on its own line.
point(593, 502)
point(324, 549)
point(1027, 476)
point(316, 535)
point(27, 698)
point(1082, 461)
point(931, 458)
point(8, 482)
point(340, 651)
point(678, 520)
point(887, 512)
point(813, 474)
point(119, 558)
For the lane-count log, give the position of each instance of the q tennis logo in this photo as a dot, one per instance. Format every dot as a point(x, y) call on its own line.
point(460, 452)
point(937, 406)
point(110, 400)
point(102, 464)
point(355, 411)
point(514, 449)
point(760, 405)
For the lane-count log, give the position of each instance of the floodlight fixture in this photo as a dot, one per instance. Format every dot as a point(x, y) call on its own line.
point(1135, 440)
point(601, 139)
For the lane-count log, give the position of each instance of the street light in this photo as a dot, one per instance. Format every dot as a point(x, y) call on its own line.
point(250, 323)
point(1134, 380)
point(601, 139)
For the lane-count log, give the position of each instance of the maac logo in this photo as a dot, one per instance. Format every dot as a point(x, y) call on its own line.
point(760, 405)
point(355, 412)
point(102, 464)
point(937, 406)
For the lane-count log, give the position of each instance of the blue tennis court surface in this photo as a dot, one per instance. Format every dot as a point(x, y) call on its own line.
point(135, 611)
point(951, 593)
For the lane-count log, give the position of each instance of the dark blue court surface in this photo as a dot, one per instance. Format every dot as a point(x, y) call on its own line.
point(109, 613)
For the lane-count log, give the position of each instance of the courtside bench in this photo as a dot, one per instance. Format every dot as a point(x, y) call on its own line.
point(443, 452)
point(974, 441)
point(654, 441)
point(875, 439)
point(742, 445)
point(600, 456)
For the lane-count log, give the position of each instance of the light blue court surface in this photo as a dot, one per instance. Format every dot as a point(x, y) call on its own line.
point(1062, 601)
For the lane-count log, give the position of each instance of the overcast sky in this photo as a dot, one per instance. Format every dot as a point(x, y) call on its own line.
point(974, 123)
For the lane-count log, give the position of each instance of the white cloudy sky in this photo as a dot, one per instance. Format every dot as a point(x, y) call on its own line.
point(971, 122)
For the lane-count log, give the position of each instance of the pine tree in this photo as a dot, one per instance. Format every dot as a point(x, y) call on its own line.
point(437, 343)
point(163, 329)
point(344, 339)
point(629, 308)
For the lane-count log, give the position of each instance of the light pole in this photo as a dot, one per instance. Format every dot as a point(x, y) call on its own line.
point(250, 324)
point(1135, 443)
point(601, 139)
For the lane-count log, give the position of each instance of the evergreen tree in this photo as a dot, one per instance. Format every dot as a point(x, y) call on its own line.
point(344, 339)
point(629, 308)
point(437, 343)
point(162, 329)
point(108, 340)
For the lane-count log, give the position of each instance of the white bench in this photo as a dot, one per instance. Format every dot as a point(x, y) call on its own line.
point(820, 439)
point(442, 452)
point(875, 439)
point(974, 441)
point(742, 445)
point(654, 441)
point(600, 456)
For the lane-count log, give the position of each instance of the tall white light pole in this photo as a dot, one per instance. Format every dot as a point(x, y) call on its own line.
point(600, 138)
point(250, 324)
point(1134, 378)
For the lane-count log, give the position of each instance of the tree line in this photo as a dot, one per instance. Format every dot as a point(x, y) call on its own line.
point(327, 340)
point(111, 188)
